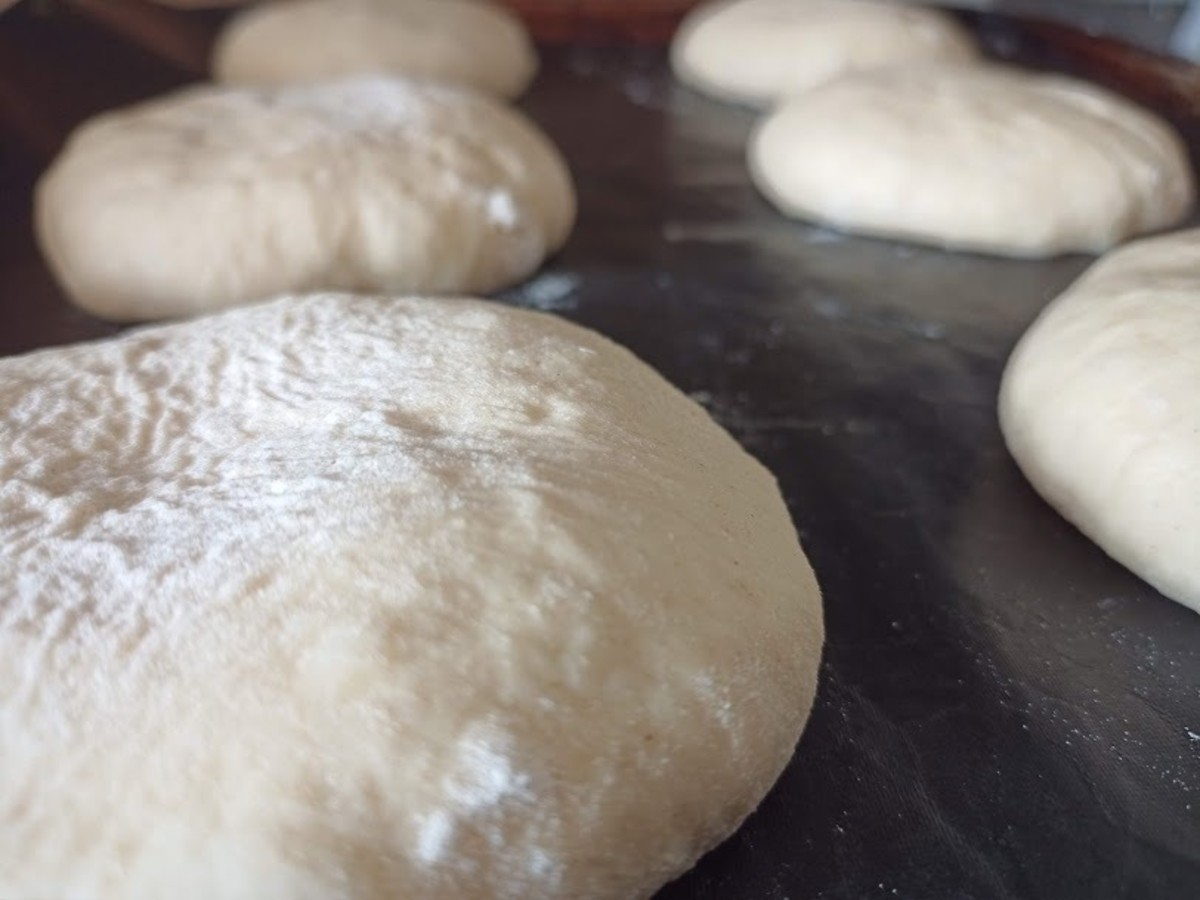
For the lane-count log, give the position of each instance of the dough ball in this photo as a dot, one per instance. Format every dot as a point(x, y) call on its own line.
point(382, 598)
point(760, 51)
point(214, 197)
point(472, 43)
point(1100, 409)
point(974, 158)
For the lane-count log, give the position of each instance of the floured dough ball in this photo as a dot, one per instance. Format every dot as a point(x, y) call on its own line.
point(760, 51)
point(473, 43)
point(1099, 407)
point(379, 598)
point(220, 196)
point(974, 158)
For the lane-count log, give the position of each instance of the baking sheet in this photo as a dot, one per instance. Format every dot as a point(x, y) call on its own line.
point(1003, 712)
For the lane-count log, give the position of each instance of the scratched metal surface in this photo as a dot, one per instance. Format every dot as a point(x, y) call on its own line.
point(1003, 712)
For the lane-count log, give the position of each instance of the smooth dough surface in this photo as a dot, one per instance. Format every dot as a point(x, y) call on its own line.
point(1100, 408)
point(473, 43)
point(378, 598)
point(758, 52)
point(215, 197)
point(974, 158)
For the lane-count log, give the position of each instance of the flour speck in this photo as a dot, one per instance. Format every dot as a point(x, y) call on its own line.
point(550, 292)
point(502, 209)
point(434, 838)
point(486, 776)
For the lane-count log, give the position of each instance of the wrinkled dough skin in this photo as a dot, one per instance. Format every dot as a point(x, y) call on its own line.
point(982, 158)
point(759, 52)
point(214, 197)
point(1099, 408)
point(377, 598)
point(472, 43)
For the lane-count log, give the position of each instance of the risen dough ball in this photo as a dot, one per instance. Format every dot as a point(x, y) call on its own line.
point(219, 196)
point(760, 51)
point(469, 42)
point(974, 158)
point(1100, 408)
point(381, 598)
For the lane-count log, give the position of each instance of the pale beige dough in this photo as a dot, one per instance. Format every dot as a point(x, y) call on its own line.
point(1099, 407)
point(214, 197)
point(977, 158)
point(473, 43)
point(379, 598)
point(758, 52)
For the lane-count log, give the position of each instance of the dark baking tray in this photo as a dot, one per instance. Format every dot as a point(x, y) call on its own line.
point(1003, 711)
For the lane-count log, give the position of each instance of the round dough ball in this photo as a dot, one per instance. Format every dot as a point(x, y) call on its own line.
point(221, 196)
point(376, 598)
point(472, 43)
point(973, 158)
point(757, 52)
point(1100, 409)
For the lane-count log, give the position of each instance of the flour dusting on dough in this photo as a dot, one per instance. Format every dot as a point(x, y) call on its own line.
point(407, 598)
point(485, 775)
point(502, 209)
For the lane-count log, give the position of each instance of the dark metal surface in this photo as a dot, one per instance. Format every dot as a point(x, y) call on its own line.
point(1003, 712)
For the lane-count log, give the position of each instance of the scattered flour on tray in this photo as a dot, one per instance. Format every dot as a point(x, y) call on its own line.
point(550, 292)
